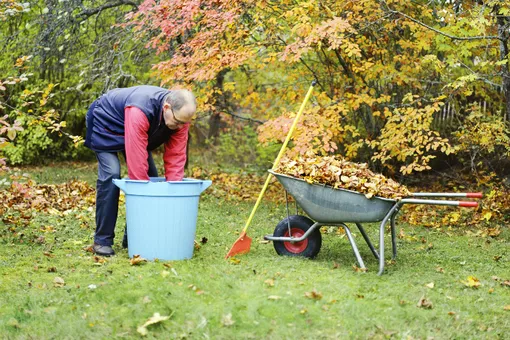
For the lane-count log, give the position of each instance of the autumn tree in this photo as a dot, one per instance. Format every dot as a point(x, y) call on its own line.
point(74, 48)
point(387, 71)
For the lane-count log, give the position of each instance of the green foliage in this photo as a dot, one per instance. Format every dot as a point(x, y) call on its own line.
point(30, 144)
point(484, 140)
point(240, 147)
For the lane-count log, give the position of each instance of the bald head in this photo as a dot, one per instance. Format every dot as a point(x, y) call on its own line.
point(179, 107)
point(180, 98)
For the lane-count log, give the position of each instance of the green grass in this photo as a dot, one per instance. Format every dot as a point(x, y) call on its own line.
point(263, 293)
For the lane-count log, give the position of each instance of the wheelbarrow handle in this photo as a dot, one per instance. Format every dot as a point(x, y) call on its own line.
point(448, 194)
point(467, 204)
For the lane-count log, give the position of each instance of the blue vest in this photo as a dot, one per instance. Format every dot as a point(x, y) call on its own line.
point(105, 117)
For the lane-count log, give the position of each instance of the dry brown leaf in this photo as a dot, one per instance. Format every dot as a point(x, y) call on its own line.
point(137, 260)
point(424, 303)
point(314, 295)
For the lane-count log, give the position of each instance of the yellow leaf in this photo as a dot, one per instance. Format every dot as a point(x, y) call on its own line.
point(454, 217)
point(472, 282)
point(487, 216)
point(156, 318)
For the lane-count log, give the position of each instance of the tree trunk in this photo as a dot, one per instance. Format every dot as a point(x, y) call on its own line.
point(504, 34)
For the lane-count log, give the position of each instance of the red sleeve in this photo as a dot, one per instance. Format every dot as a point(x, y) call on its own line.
point(175, 154)
point(136, 126)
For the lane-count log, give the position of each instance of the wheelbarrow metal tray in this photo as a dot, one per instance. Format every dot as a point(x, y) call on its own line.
point(326, 204)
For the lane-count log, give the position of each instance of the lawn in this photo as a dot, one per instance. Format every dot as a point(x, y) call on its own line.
point(50, 287)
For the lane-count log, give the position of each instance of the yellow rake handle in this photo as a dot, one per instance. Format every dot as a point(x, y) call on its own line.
point(280, 154)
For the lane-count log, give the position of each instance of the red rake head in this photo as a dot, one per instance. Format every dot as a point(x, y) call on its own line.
point(241, 246)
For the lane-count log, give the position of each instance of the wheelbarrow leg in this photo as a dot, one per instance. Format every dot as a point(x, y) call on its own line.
point(353, 245)
point(367, 240)
point(393, 236)
point(390, 213)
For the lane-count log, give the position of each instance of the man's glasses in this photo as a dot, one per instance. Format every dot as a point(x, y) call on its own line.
point(176, 120)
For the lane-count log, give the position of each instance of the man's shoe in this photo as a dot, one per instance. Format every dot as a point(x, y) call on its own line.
point(103, 250)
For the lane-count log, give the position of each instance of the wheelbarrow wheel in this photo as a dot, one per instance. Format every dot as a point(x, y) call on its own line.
point(309, 247)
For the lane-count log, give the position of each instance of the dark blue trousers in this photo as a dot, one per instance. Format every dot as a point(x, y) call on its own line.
point(107, 195)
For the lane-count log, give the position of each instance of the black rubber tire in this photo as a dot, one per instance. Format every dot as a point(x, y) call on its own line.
point(309, 247)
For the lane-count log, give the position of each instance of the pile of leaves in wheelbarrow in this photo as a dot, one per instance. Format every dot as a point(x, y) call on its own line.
point(340, 173)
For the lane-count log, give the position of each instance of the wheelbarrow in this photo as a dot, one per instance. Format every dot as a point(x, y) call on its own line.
point(299, 235)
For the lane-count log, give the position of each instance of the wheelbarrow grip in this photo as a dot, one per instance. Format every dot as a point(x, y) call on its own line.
point(474, 194)
point(468, 204)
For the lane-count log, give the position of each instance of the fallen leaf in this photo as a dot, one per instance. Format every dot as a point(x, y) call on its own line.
point(472, 282)
point(358, 269)
point(226, 320)
point(507, 307)
point(314, 295)
point(156, 318)
point(52, 270)
point(137, 260)
point(99, 259)
point(234, 260)
point(451, 313)
point(424, 303)
point(273, 297)
point(494, 232)
point(58, 282)
point(506, 283)
point(89, 249)
point(269, 282)
point(430, 285)
point(197, 245)
point(165, 273)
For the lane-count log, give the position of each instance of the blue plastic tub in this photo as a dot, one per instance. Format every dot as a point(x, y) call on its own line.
point(161, 216)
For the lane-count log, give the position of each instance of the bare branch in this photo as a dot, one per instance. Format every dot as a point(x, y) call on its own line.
point(453, 37)
point(244, 118)
point(89, 12)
